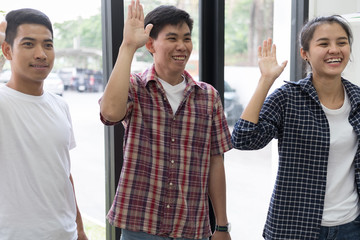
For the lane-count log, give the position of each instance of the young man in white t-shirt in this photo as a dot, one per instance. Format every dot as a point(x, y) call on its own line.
point(37, 199)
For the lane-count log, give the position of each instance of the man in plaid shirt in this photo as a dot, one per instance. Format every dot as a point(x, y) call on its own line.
point(175, 134)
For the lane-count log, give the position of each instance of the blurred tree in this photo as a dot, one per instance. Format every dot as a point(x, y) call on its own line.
point(78, 43)
point(247, 23)
point(261, 26)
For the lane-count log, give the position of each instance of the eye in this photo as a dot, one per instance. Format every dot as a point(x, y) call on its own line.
point(343, 43)
point(49, 45)
point(27, 44)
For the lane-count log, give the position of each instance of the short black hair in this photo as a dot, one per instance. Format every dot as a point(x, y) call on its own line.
point(167, 15)
point(21, 16)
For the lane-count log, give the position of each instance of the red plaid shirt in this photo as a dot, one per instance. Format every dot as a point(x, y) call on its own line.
point(163, 187)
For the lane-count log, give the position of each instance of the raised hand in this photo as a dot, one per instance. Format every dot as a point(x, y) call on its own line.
point(269, 67)
point(3, 25)
point(134, 33)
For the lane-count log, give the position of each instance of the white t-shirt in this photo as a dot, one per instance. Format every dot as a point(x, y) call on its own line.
point(341, 198)
point(36, 196)
point(174, 94)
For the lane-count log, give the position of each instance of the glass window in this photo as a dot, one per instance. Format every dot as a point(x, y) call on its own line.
point(250, 174)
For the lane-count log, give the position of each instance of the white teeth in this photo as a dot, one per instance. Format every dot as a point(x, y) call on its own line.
point(333, 60)
point(179, 58)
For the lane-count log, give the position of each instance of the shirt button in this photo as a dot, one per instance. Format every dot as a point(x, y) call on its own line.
point(168, 206)
point(172, 161)
point(171, 184)
point(173, 139)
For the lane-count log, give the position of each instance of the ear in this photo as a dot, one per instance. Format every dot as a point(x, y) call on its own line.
point(6, 49)
point(303, 54)
point(150, 45)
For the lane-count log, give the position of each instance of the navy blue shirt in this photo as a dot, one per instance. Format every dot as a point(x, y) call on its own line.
point(293, 115)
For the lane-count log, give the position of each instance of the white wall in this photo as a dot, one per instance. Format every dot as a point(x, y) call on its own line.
point(328, 7)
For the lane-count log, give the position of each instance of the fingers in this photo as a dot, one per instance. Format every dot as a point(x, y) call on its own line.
point(138, 9)
point(141, 12)
point(283, 64)
point(267, 48)
point(135, 10)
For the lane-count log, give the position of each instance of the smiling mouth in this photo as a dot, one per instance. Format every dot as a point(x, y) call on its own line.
point(179, 58)
point(334, 60)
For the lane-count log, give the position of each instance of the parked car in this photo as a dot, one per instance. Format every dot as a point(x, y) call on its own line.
point(54, 84)
point(89, 81)
point(232, 106)
point(81, 79)
point(66, 76)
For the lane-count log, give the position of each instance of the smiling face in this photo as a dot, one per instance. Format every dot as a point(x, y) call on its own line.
point(329, 51)
point(171, 51)
point(31, 57)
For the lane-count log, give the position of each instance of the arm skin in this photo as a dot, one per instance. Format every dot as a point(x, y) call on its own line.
point(79, 222)
point(270, 71)
point(114, 99)
point(3, 25)
point(217, 193)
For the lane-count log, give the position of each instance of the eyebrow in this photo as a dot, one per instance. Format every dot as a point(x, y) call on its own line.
point(33, 39)
point(175, 34)
point(327, 39)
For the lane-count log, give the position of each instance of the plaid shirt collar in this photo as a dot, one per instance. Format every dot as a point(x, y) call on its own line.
point(308, 87)
point(151, 76)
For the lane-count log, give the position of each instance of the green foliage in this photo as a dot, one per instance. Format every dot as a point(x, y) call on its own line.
point(93, 231)
point(86, 31)
point(237, 22)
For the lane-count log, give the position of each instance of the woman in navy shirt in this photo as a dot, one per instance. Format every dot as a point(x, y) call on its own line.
point(316, 121)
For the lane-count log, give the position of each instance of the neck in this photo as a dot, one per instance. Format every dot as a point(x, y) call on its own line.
point(171, 78)
point(330, 92)
point(30, 89)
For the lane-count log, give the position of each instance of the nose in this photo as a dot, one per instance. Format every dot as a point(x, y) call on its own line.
point(334, 48)
point(39, 53)
point(181, 46)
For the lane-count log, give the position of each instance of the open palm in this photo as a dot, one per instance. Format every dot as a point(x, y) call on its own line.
point(134, 33)
point(267, 61)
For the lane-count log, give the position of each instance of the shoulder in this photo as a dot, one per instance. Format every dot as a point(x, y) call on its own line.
point(350, 86)
point(302, 85)
point(206, 87)
point(353, 91)
point(55, 99)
